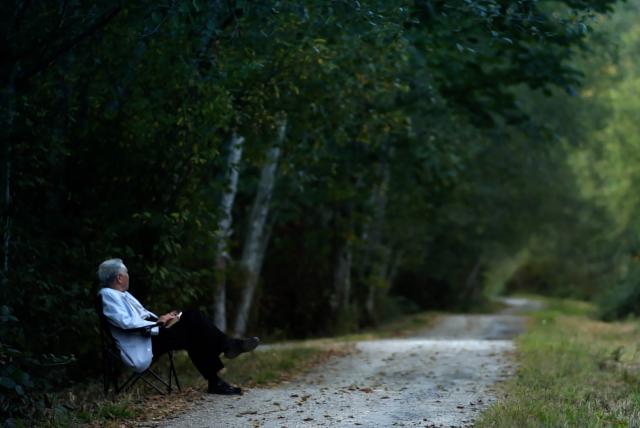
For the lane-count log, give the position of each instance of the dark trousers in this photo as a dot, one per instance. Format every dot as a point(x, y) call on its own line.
point(196, 334)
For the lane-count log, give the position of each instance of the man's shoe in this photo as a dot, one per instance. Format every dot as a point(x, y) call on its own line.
point(221, 387)
point(238, 346)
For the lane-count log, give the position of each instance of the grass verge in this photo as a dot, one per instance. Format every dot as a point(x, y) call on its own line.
point(574, 371)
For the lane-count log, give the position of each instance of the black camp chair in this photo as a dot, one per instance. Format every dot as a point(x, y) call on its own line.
point(112, 365)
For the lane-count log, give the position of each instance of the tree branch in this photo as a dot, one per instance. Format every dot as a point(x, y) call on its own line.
point(67, 46)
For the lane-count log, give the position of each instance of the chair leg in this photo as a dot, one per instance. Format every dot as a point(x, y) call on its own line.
point(151, 384)
point(129, 382)
point(134, 378)
point(105, 377)
point(111, 376)
point(173, 374)
point(170, 366)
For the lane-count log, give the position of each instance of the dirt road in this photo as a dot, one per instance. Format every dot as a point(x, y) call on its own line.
point(440, 377)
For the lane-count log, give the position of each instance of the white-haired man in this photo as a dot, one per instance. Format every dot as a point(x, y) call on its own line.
point(195, 333)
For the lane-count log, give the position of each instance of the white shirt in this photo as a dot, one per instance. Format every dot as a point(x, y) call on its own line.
point(124, 311)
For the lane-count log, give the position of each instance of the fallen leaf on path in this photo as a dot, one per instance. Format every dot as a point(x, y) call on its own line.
point(248, 412)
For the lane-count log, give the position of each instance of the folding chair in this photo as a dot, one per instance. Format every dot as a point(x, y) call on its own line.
point(112, 364)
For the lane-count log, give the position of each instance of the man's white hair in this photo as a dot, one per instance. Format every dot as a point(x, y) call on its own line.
point(109, 269)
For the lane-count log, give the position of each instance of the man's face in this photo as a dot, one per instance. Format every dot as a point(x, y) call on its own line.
point(122, 280)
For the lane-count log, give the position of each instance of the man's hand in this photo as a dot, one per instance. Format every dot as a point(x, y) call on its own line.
point(167, 317)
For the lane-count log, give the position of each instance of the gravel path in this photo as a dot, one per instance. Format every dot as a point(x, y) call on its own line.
point(440, 377)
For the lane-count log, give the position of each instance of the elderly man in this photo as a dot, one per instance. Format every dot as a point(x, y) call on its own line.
point(194, 332)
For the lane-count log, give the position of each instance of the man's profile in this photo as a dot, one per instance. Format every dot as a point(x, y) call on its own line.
point(194, 332)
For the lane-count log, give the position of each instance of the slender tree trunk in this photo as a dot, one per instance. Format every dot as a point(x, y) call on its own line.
point(378, 255)
point(394, 265)
point(254, 244)
point(342, 279)
point(6, 241)
point(223, 232)
point(123, 86)
point(8, 99)
point(378, 281)
point(471, 284)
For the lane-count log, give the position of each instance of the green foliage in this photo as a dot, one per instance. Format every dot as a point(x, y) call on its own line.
point(15, 399)
point(623, 298)
point(23, 375)
point(418, 139)
point(588, 245)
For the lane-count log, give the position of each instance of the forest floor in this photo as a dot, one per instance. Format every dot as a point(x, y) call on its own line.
point(442, 376)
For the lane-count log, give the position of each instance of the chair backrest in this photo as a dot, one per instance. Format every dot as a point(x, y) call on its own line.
point(107, 339)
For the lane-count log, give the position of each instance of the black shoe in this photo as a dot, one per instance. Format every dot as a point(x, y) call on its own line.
point(238, 346)
point(221, 387)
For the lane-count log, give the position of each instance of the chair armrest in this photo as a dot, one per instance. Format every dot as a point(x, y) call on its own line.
point(146, 330)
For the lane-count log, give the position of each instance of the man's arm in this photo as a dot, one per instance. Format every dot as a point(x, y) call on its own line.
point(114, 308)
point(149, 315)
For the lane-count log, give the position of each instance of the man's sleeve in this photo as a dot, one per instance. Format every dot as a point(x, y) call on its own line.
point(114, 309)
point(149, 313)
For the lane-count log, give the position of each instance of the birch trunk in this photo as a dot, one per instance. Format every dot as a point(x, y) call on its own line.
point(223, 232)
point(254, 244)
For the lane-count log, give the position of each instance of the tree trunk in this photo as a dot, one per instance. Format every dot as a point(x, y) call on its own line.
point(254, 244)
point(342, 279)
point(123, 86)
point(6, 241)
point(223, 232)
point(471, 283)
point(8, 99)
point(378, 254)
point(394, 265)
point(377, 282)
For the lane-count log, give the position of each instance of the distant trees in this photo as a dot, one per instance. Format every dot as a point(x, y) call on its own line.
point(301, 168)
